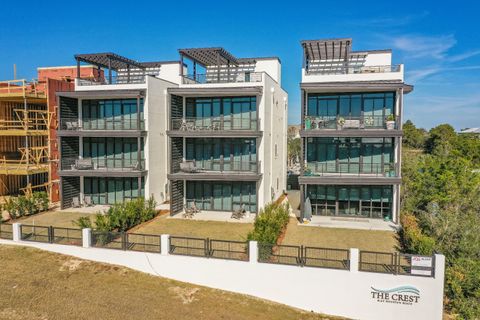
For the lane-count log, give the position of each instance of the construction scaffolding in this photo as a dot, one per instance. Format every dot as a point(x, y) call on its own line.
point(25, 124)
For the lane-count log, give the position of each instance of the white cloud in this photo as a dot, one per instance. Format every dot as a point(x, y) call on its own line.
point(463, 56)
point(419, 74)
point(385, 22)
point(423, 46)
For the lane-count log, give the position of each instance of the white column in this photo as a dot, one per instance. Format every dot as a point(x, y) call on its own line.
point(253, 251)
point(165, 244)
point(354, 259)
point(16, 231)
point(86, 237)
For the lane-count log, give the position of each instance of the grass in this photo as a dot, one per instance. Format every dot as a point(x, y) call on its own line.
point(38, 285)
point(195, 228)
point(53, 218)
point(384, 241)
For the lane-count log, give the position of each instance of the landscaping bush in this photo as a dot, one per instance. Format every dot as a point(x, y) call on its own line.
point(413, 240)
point(122, 216)
point(269, 223)
point(26, 205)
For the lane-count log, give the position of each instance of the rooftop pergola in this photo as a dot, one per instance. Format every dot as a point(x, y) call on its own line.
point(331, 49)
point(208, 57)
point(108, 60)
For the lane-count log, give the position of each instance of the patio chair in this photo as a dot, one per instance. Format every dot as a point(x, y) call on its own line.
point(76, 202)
point(187, 213)
point(188, 167)
point(84, 164)
point(88, 201)
point(194, 208)
point(239, 213)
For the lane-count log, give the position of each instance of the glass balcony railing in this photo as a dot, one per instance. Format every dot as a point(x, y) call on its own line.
point(101, 124)
point(202, 166)
point(351, 169)
point(123, 79)
point(234, 77)
point(214, 124)
point(114, 164)
point(348, 122)
point(322, 68)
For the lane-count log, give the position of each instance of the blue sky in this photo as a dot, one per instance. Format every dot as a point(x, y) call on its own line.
point(438, 42)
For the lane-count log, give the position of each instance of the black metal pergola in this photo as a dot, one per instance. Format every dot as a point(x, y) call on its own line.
point(108, 60)
point(208, 57)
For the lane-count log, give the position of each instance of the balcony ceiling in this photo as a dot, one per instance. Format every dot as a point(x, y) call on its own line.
point(331, 49)
point(210, 56)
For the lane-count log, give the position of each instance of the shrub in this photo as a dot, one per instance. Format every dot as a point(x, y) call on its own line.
point(269, 223)
point(26, 205)
point(122, 216)
point(413, 240)
point(41, 200)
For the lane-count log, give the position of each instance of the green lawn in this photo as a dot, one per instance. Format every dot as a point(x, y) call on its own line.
point(39, 285)
point(53, 218)
point(194, 228)
point(384, 241)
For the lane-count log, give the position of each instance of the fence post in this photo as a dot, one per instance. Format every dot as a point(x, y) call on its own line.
point(86, 237)
point(253, 251)
point(165, 244)
point(50, 234)
point(17, 232)
point(354, 259)
point(124, 240)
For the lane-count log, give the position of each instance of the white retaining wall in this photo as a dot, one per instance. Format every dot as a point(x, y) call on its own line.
point(347, 293)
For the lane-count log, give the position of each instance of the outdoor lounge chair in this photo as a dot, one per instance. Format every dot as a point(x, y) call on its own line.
point(187, 213)
point(88, 201)
point(84, 164)
point(76, 202)
point(188, 167)
point(239, 213)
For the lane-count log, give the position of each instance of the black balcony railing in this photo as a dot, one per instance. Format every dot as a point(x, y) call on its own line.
point(75, 124)
point(351, 169)
point(214, 124)
point(223, 78)
point(220, 165)
point(114, 164)
point(118, 79)
point(349, 122)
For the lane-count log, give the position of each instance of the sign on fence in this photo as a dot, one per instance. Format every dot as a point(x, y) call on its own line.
point(422, 265)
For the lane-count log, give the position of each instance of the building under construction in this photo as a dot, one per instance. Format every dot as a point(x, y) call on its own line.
point(28, 146)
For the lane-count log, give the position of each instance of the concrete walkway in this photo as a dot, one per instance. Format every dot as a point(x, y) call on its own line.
point(351, 223)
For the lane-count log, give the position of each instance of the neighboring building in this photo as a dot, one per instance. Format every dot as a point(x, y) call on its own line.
point(152, 129)
point(471, 131)
point(227, 133)
point(352, 104)
point(28, 124)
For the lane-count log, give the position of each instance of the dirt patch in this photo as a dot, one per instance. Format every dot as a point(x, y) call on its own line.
point(187, 295)
point(13, 314)
point(70, 265)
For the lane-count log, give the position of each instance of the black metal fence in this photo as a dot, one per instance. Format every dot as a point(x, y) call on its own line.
point(36, 233)
point(67, 236)
point(126, 241)
point(396, 263)
point(6, 231)
point(143, 242)
point(209, 248)
point(304, 256)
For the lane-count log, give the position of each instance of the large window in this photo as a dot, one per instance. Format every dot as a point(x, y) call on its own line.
point(229, 113)
point(350, 155)
point(222, 196)
point(113, 152)
point(115, 114)
point(113, 190)
point(222, 153)
point(363, 201)
point(373, 107)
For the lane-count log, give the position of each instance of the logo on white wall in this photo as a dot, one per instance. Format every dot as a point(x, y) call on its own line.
point(407, 295)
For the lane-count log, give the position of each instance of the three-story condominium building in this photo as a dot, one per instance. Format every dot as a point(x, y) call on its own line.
point(352, 104)
point(208, 129)
point(227, 132)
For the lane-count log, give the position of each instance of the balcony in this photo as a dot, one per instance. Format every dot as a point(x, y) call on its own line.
point(94, 167)
point(73, 124)
point(365, 122)
point(220, 169)
point(237, 77)
point(122, 79)
point(220, 126)
point(351, 169)
point(339, 67)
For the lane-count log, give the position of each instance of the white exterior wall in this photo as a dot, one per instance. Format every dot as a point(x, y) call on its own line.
point(353, 76)
point(378, 59)
point(156, 111)
point(272, 67)
point(346, 293)
point(273, 112)
point(171, 72)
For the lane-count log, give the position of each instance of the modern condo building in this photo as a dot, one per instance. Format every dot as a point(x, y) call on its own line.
point(352, 103)
point(208, 128)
